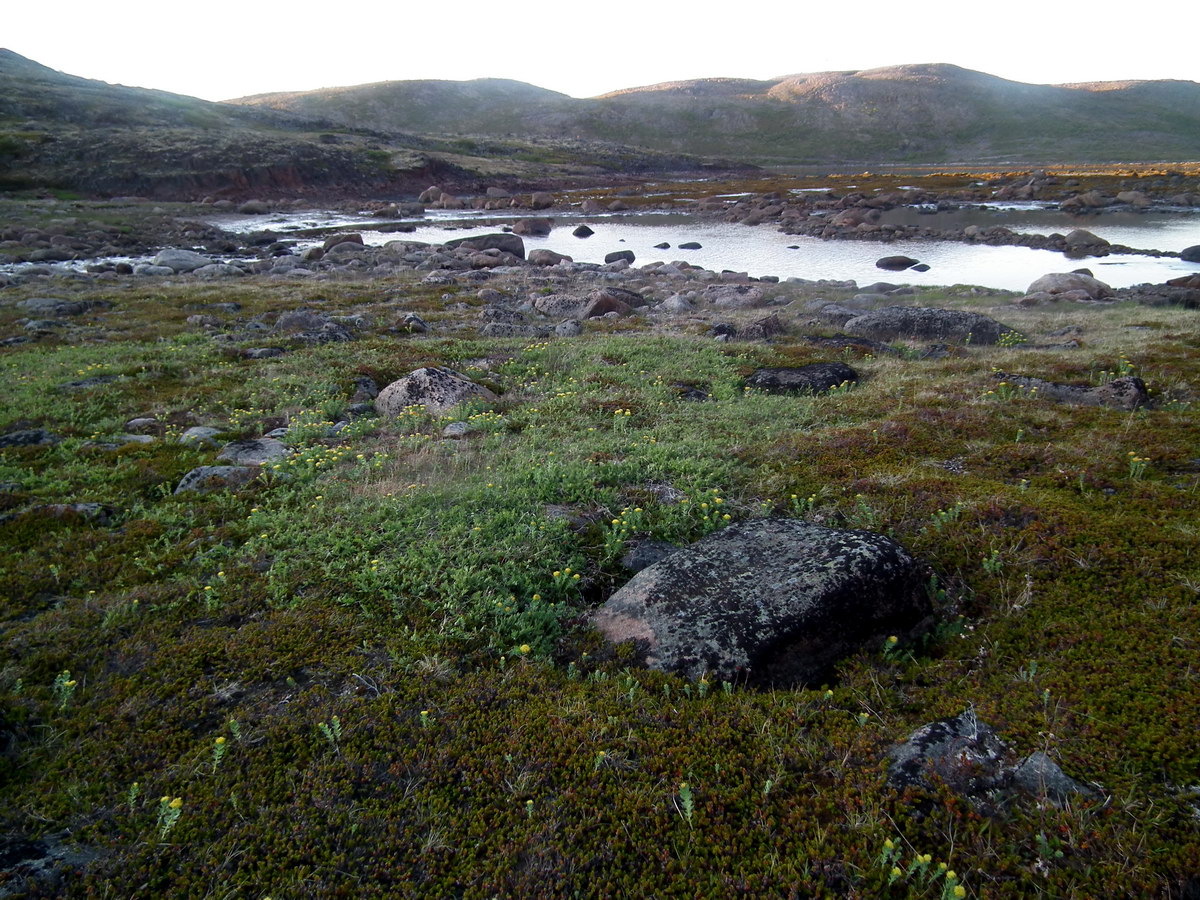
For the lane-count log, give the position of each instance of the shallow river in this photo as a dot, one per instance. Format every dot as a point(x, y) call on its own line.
point(761, 250)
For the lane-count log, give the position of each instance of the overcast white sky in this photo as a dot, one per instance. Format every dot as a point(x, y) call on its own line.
point(219, 51)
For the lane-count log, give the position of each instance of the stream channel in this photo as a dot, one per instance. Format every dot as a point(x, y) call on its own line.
point(763, 250)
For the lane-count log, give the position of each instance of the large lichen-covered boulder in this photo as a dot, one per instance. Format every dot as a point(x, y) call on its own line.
point(771, 601)
point(436, 388)
point(926, 323)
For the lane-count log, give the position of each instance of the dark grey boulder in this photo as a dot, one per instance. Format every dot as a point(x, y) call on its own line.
point(619, 255)
point(1190, 254)
point(207, 479)
point(29, 437)
point(691, 245)
point(263, 352)
point(436, 388)
point(955, 325)
point(768, 601)
point(1128, 392)
point(506, 243)
point(896, 263)
point(968, 757)
point(582, 232)
point(961, 751)
point(816, 378)
point(662, 245)
point(254, 452)
point(644, 554)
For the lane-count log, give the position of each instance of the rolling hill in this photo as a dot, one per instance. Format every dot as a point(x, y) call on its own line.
point(913, 113)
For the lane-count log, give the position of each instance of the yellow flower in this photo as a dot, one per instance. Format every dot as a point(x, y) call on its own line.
point(177, 803)
point(525, 648)
point(960, 891)
point(220, 741)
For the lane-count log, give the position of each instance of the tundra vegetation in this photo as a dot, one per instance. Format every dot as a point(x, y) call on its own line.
point(369, 672)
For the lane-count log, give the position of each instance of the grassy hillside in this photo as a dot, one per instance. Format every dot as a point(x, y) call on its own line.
point(77, 134)
point(917, 113)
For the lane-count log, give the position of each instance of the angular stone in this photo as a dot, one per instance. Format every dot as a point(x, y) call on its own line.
point(436, 388)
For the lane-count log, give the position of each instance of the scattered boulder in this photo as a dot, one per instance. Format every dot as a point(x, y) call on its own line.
point(691, 245)
point(541, 200)
point(506, 243)
point(543, 257)
point(618, 255)
point(336, 240)
point(896, 263)
point(57, 306)
point(254, 452)
point(662, 245)
point(926, 323)
point(569, 328)
point(676, 303)
point(600, 303)
point(1080, 238)
point(296, 320)
point(263, 352)
point(969, 757)
point(1190, 254)
point(254, 208)
point(181, 261)
point(437, 388)
point(582, 232)
point(764, 328)
point(538, 227)
point(771, 601)
point(207, 479)
point(1127, 393)
point(1069, 283)
point(560, 306)
point(815, 378)
point(200, 435)
point(29, 437)
point(430, 194)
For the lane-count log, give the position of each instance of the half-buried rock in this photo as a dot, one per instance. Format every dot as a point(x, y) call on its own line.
point(771, 601)
point(436, 388)
point(816, 378)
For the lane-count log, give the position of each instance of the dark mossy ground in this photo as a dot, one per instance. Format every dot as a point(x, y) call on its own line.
point(368, 675)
